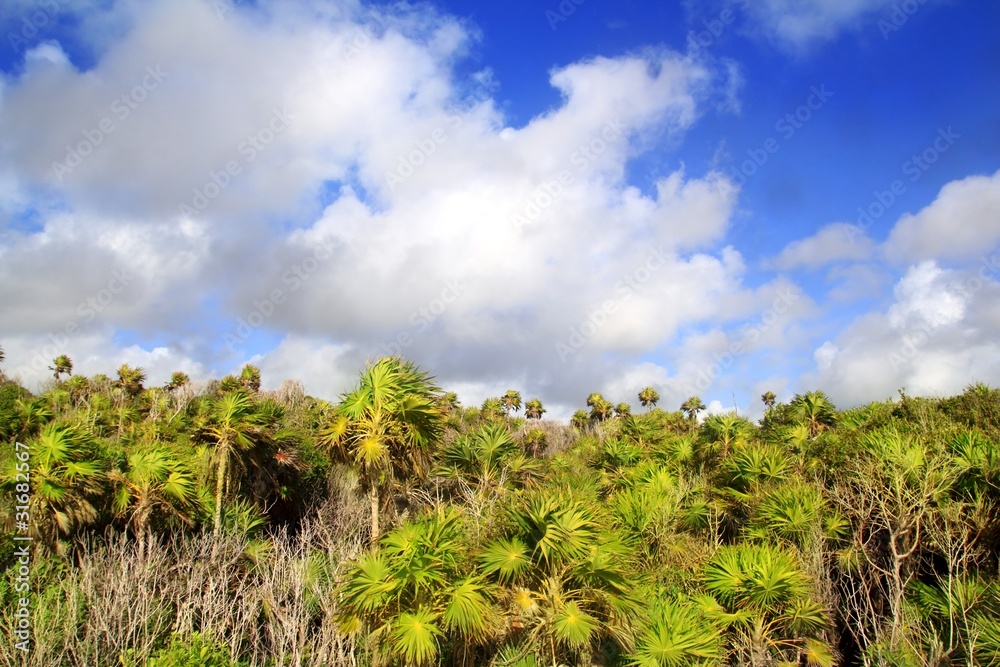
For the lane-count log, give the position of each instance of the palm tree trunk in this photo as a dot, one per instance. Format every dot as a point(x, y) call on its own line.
point(220, 480)
point(373, 499)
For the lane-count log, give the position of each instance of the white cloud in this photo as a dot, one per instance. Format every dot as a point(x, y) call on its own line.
point(834, 243)
point(383, 206)
point(799, 24)
point(936, 337)
point(962, 223)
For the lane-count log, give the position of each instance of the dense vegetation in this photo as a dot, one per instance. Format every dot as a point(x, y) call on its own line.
point(232, 526)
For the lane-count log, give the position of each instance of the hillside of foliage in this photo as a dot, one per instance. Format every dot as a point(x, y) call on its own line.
point(226, 525)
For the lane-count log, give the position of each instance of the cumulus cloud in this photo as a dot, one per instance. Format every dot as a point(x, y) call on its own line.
point(797, 24)
point(935, 338)
point(311, 185)
point(833, 243)
point(962, 223)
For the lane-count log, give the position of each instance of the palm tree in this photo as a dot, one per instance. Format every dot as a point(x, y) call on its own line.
point(449, 402)
point(31, 415)
point(726, 430)
point(623, 410)
point(250, 378)
point(814, 410)
point(386, 428)
point(511, 400)
point(766, 589)
point(66, 481)
point(600, 407)
point(769, 399)
point(61, 365)
point(649, 397)
point(130, 379)
point(487, 456)
point(580, 419)
point(178, 379)
point(566, 582)
point(691, 407)
point(535, 441)
point(234, 427)
point(414, 591)
point(153, 482)
point(492, 410)
point(533, 409)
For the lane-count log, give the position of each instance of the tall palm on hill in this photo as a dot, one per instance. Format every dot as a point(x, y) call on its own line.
point(814, 410)
point(511, 400)
point(692, 406)
point(386, 428)
point(61, 365)
point(600, 407)
point(649, 397)
point(533, 409)
point(130, 379)
point(250, 378)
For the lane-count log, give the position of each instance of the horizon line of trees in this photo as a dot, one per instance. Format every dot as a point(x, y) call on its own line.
point(416, 531)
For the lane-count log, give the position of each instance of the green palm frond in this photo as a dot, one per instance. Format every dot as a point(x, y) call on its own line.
point(758, 465)
point(369, 583)
point(468, 609)
point(507, 558)
point(791, 512)
point(761, 578)
point(818, 653)
point(574, 627)
point(414, 636)
point(678, 635)
point(806, 617)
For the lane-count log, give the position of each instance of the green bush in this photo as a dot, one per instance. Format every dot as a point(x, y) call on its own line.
point(194, 650)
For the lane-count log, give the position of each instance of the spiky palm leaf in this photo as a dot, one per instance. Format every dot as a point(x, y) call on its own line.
point(678, 635)
point(573, 627)
point(415, 635)
point(506, 558)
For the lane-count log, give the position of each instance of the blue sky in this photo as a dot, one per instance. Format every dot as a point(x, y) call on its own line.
point(558, 198)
